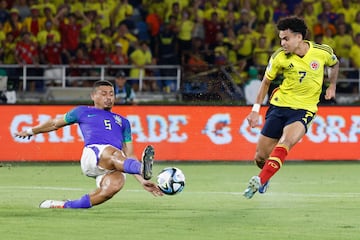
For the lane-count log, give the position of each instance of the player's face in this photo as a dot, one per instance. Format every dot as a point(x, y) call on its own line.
point(289, 40)
point(103, 97)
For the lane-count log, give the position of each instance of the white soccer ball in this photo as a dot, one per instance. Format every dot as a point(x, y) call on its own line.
point(171, 180)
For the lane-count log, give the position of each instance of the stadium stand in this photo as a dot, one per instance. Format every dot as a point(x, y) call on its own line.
point(196, 35)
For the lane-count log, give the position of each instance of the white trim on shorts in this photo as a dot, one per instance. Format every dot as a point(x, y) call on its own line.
point(89, 162)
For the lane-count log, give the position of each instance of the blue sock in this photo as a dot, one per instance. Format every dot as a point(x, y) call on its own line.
point(132, 166)
point(83, 202)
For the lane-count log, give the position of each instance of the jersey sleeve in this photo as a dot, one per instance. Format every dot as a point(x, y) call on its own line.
point(331, 60)
point(127, 131)
point(273, 67)
point(72, 116)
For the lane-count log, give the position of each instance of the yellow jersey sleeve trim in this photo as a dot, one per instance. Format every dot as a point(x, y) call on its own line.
point(324, 47)
point(279, 50)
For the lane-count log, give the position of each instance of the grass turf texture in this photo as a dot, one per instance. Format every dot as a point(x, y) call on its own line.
point(305, 201)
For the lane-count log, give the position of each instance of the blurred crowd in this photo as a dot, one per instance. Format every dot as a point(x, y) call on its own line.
point(197, 34)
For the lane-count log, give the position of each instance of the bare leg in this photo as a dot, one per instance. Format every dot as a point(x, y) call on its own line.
point(263, 149)
point(112, 159)
point(292, 134)
point(109, 186)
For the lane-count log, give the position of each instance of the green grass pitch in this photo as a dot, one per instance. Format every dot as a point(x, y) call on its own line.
point(306, 200)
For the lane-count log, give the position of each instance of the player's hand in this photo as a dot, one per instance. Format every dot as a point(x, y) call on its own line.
point(330, 92)
point(152, 188)
point(23, 134)
point(253, 119)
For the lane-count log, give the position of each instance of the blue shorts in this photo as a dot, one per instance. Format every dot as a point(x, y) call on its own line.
point(277, 118)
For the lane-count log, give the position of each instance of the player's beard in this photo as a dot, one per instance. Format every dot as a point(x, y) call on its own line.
point(108, 105)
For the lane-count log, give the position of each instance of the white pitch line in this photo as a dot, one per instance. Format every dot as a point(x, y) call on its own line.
point(270, 194)
point(318, 195)
point(41, 188)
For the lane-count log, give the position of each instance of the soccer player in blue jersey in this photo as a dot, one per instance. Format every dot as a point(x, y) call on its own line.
point(293, 104)
point(108, 149)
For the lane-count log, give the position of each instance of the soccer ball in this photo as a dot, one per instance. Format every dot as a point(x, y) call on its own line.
point(171, 180)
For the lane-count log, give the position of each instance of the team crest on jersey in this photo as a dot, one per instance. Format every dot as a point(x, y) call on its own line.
point(118, 120)
point(314, 65)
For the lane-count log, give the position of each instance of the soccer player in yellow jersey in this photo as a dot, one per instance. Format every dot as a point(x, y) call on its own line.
point(294, 104)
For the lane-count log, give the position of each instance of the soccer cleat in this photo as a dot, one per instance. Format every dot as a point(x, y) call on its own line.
point(147, 162)
point(253, 187)
point(52, 204)
point(263, 188)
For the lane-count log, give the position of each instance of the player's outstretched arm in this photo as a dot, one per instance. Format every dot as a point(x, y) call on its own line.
point(333, 73)
point(128, 149)
point(48, 126)
point(253, 117)
point(149, 186)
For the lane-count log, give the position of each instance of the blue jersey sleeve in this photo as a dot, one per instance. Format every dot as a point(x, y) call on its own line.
point(73, 115)
point(127, 131)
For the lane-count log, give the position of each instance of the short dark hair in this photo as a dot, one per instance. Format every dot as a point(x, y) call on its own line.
point(102, 83)
point(294, 24)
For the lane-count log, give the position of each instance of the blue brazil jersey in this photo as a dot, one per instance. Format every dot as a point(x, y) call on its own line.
point(99, 126)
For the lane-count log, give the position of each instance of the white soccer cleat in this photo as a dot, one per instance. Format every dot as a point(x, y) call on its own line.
point(253, 187)
point(52, 204)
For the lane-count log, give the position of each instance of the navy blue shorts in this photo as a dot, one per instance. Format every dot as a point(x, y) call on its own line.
point(277, 118)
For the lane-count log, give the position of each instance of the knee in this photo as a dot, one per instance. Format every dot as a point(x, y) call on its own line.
point(114, 188)
point(111, 186)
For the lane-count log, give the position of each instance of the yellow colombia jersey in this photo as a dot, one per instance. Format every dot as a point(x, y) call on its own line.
point(303, 76)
